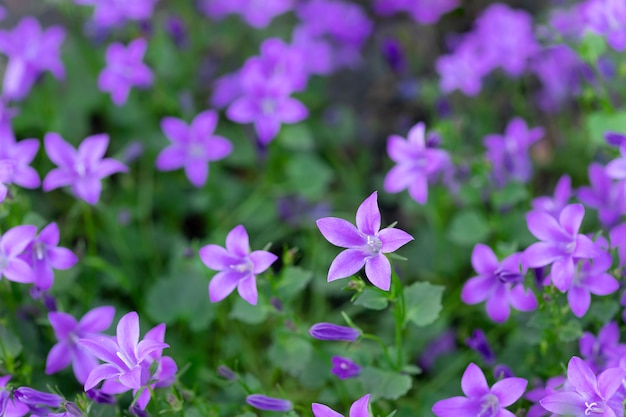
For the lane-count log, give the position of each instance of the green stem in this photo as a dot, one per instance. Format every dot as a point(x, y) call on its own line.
point(382, 344)
point(90, 230)
point(399, 313)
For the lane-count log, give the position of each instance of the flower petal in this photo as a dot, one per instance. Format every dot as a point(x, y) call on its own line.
point(197, 171)
point(237, 241)
point(378, 271)
point(128, 333)
point(203, 125)
point(368, 215)
point(571, 218)
point(418, 189)
point(83, 363)
point(18, 271)
point(97, 320)
point(399, 178)
point(92, 149)
point(580, 375)
point(15, 240)
point(247, 289)
point(522, 299)
point(455, 407)
point(579, 300)
point(347, 263)
point(170, 158)
point(59, 151)
point(360, 408)
point(262, 260)
point(541, 254)
point(57, 178)
point(564, 403)
point(509, 390)
point(100, 373)
point(562, 273)
point(545, 227)
point(217, 258)
point(321, 410)
point(473, 382)
point(175, 129)
point(478, 289)
point(340, 232)
point(484, 260)
point(610, 381)
point(392, 239)
point(498, 305)
point(223, 284)
point(58, 358)
point(61, 258)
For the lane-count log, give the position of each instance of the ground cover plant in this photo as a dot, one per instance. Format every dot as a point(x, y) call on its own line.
point(312, 208)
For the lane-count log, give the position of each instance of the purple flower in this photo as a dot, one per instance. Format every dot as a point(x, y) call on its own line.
point(479, 343)
point(615, 138)
point(618, 241)
point(560, 244)
point(193, 147)
point(237, 265)
point(603, 195)
point(481, 400)
point(554, 205)
point(415, 163)
point(12, 244)
point(604, 351)
point(360, 408)
point(588, 394)
point(316, 53)
point(257, 13)
point(462, 70)
point(500, 283)
point(125, 70)
point(108, 13)
point(31, 51)
point(616, 169)
point(262, 402)
point(334, 332)
point(125, 357)
point(553, 385)
point(71, 410)
point(502, 371)
point(441, 345)
point(43, 254)
point(508, 153)
point(344, 368)
point(10, 407)
point(83, 169)
point(37, 402)
point(607, 18)
point(68, 331)
point(423, 11)
point(366, 244)
point(17, 156)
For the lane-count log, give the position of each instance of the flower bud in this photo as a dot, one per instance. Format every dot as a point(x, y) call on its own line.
point(329, 331)
point(262, 402)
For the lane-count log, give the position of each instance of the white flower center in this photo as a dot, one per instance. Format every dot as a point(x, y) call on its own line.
point(245, 266)
point(373, 245)
point(593, 408)
point(39, 250)
point(489, 406)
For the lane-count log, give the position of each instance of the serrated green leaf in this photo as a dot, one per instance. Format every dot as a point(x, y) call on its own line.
point(385, 384)
point(372, 300)
point(423, 303)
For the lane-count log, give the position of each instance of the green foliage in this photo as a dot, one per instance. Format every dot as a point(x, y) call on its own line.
point(423, 303)
point(385, 384)
point(468, 228)
point(372, 299)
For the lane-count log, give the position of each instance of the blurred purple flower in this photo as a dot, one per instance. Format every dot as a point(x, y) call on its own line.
point(394, 55)
point(100, 397)
point(615, 139)
point(554, 205)
point(298, 211)
point(257, 13)
point(481, 400)
point(366, 244)
point(68, 331)
point(193, 147)
point(604, 351)
point(360, 408)
point(553, 385)
point(226, 89)
point(43, 255)
point(109, 13)
point(31, 51)
point(479, 343)
point(415, 163)
point(10, 407)
point(237, 265)
point(38, 402)
point(603, 195)
point(83, 169)
point(344, 368)
point(316, 53)
point(3, 12)
point(442, 344)
point(508, 153)
point(607, 18)
point(616, 169)
point(500, 283)
point(126, 358)
point(618, 241)
point(334, 332)
point(12, 244)
point(588, 394)
point(462, 70)
point(125, 70)
point(262, 402)
point(502, 371)
point(175, 27)
point(423, 11)
point(16, 158)
point(71, 410)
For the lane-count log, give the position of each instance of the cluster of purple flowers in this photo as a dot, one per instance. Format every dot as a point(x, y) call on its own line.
point(422, 11)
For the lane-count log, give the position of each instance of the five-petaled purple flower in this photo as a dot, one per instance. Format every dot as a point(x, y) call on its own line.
point(603, 195)
point(360, 408)
point(560, 244)
point(125, 69)
point(366, 244)
point(16, 158)
point(68, 331)
point(554, 205)
point(415, 163)
point(481, 400)
point(12, 244)
point(603, 351)
point(193, 147)
point(500, 283)
point(83, 169)
point(237, 265)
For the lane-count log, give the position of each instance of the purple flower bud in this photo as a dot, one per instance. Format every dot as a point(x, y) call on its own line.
point(433, 140)
point(100, 397)
point(275, 302)
point(226, 373)
point(614, 138)
point(49, 302)
point(72, 409)
point(37, 400)
point(392, 51)
point(478, 342)
point(502, 371)
point(262, 402)
point(329, 331)
point(137, 411)
point(132, 152)
point(175, 27)
point(344, 368)
point(442, 344)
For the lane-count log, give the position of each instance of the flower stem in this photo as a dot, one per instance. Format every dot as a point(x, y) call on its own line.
point(90, 230)
point(399, 313)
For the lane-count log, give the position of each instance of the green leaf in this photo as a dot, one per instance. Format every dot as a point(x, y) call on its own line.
point(291, 354)
point(293, 280)
point(423, 303)
point(296, 137)
point(385, 384)
point(592, 47)
point(247, 313)
point(10, 345)
point(510, 195)
point(570, 331)
point(468, 228)
point(372, 300)
point(600, 122)
point(308, 175)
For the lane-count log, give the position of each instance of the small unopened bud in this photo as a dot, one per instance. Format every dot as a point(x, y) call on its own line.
point(329, 331)
point(226, 373)
point(263, 402)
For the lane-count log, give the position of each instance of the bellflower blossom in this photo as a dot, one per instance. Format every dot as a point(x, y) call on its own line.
point(38, 403)
point(12, 244)
point(554, 205)
point(109, 13)
point(360, 408)
point(31, 51)
point(604, 195)
point(500, 283)
point(462, 70)
point(344, 368)
point(415, 163)
point(480, 400)
point(193, 147)
point(126, 358)
point(553, 385)
point(607, 18)
point(560, 245)
point(10, 406)
point(125, 70)
point(237, 265)
point(83, 169)
point(43, 255)
point(263, 402)
point(16, 157)
point(588, 394)
point(603, 351)
point(68, 331)
point(366, 244)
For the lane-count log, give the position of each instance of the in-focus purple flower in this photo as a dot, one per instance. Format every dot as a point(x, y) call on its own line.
point(360, 408)
point(508, 153)
point(12, 244)
point(554, 205)
point(366, 244)
point(125, 69)
point(560, 244)
point(109, 13)
point(588, 394)
point(31, 51)
point(18, 156)
point(125, 357)
point(415, 163)
point(607, 18)
point(480, 400)
point(38, 402)
point(83, 169)
point(43, 255)
point(603, 351)
point(237, 265)
point(553, 385)
point(501, 284)
point(479, 343)
point(193, 146)
point(603, 195)
point(330, 331)
point(344, 368)
point(262, 402)
point(68, 331)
